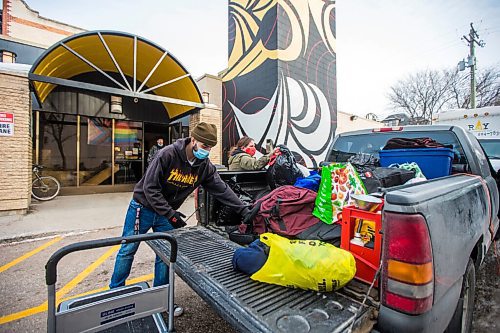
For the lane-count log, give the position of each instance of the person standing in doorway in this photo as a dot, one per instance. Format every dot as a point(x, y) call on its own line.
point(155, 149)
point(174, 174)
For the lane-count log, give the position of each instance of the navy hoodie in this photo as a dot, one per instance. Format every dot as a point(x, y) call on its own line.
point(170, 178)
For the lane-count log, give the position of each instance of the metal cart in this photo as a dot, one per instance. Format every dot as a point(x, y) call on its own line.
point(133, 308)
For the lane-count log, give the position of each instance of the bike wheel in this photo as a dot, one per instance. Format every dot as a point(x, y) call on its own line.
point(45, 188)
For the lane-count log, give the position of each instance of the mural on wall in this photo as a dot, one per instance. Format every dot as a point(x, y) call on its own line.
point(281, 78)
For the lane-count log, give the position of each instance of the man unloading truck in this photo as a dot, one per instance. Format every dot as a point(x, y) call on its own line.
point(172, 176)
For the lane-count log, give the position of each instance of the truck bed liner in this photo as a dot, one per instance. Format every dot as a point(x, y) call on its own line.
point(204, 263)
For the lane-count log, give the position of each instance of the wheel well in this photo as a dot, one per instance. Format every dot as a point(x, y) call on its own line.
point(477, 253)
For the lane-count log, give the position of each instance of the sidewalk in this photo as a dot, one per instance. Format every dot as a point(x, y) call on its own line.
point(74, 213)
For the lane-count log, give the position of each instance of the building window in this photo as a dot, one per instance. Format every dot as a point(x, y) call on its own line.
point(7, 56)
point(58, 146)
point(95, 151)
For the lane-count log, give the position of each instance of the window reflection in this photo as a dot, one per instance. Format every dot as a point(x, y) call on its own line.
point(95, 151)
point(58, 146)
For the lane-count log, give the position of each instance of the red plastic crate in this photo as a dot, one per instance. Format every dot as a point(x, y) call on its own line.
point(367, 259)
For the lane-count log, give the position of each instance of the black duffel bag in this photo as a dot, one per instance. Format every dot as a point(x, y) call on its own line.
point(373, 178)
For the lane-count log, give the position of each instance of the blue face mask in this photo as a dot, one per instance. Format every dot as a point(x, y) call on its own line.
point(200, 153)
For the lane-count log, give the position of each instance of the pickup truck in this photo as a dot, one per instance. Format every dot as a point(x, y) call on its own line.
point(435, 236)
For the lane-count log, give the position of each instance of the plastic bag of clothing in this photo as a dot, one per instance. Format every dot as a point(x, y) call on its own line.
point(339, 182)
point(305, 264)
point(283, 169)
point(310, 182)
point(413, 143)
point(410, 167)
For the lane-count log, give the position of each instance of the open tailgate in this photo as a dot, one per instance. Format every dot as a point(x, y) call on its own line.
point(204, 263)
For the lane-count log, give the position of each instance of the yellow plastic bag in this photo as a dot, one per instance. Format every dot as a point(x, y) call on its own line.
point(305, 264)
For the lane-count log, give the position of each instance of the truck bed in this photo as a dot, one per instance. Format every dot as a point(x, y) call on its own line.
point(204, 263)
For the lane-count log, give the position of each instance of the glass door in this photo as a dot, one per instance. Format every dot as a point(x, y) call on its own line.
point(95, 151)
point(128, 137)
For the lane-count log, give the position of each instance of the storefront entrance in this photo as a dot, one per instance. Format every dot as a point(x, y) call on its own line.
point(99, 110)
point(79, 150)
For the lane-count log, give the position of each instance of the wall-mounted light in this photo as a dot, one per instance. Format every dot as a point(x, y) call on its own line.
point(205, 96)
point(116, 105)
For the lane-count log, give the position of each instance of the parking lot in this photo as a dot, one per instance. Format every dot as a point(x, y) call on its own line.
point(23, 305)
point(24, 295)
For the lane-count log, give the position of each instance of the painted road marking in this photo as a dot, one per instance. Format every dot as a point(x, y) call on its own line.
point(29, 254)
point(43, 307)
point(63, 291)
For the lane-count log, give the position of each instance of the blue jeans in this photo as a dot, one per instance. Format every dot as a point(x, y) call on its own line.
point(148, 219)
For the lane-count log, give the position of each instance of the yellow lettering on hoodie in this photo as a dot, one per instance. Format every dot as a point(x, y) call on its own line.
point(176, 176)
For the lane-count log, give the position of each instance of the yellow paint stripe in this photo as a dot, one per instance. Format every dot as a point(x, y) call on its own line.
point(29, 254)
point(63, 291)
point(86, 272)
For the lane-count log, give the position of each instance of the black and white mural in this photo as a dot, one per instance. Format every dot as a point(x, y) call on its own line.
point(281, 78)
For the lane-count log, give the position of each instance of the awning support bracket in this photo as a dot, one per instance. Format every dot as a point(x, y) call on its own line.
point(152, 71)
point(114, 60)
point(165, 83)
point(88, 62)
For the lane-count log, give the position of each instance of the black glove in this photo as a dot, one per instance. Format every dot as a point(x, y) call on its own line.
point(178, 220)
point(247, 216)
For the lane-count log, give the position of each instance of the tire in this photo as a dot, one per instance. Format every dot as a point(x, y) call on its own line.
point(45, 188)
point(462, 318)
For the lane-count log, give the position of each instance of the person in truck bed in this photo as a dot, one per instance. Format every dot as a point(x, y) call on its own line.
point(172, 176)
point(242, 158)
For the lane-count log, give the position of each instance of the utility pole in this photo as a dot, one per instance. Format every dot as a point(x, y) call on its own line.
point(471, 62)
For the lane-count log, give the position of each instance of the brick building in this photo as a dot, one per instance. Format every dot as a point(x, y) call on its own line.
point(15, 160)
point(92, 114)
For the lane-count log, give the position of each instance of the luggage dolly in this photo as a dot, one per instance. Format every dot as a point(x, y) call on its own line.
point(132, 306)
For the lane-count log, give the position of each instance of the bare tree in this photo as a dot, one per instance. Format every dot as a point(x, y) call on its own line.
point(421, 95)
point(56, 129)
point(425, 93)
point(487, 88)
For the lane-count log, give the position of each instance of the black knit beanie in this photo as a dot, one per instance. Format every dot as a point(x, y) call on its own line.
point(205, 133)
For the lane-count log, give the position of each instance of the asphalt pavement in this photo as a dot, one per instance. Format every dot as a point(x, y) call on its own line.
point(28, 241)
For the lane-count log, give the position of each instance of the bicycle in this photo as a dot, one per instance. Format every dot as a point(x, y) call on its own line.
point(44, 188)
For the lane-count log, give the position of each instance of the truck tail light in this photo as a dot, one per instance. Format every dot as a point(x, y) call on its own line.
point(407, 272)
point(388, 129)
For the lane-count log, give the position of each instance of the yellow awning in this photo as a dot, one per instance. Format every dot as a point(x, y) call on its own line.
point(158, 75)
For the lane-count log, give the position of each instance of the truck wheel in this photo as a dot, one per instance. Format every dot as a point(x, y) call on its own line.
point(462, 318)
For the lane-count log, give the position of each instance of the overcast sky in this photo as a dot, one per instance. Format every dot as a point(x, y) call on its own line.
point(378, 41)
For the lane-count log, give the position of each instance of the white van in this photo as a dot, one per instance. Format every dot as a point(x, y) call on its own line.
point(484, 123)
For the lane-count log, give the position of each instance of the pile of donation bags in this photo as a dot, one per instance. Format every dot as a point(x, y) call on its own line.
point(295, 228)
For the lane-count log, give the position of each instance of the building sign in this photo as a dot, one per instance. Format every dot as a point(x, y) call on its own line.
point(483, 130)
point(6, 124)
